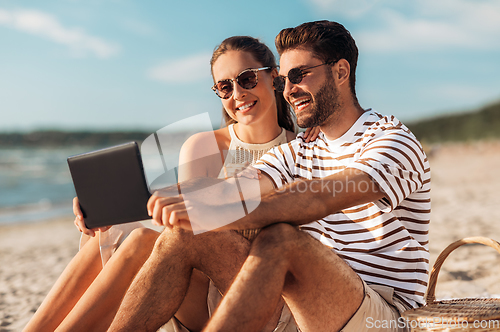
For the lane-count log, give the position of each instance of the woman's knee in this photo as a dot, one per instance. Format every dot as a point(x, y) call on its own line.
point(144, 234)
point(140, 242)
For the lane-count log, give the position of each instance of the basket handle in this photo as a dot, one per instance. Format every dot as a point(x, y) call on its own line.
point(430, 297)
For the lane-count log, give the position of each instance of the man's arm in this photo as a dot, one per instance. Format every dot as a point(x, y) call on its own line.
point(298, 203)
point(305, 201)
point(208, 191)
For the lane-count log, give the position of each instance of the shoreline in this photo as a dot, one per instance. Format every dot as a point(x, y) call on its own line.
point(465, 203)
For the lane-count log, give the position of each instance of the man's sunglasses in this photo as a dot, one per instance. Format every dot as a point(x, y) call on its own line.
point(295, 76)
point(247, 79)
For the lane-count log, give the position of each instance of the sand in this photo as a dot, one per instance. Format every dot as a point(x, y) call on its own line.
point(465, 203)
point(32, 256)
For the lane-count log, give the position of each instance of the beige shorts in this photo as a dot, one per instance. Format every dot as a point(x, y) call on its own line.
point(379, 311)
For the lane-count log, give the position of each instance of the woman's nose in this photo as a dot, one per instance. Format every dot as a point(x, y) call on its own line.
point(238, 91)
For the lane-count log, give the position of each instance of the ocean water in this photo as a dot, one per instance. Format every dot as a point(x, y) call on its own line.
point(35, 183)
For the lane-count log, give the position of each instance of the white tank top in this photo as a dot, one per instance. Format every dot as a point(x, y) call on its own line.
point(240, 152)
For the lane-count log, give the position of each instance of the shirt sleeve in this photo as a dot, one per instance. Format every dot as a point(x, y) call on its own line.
point(397, 163)
point(277, 164)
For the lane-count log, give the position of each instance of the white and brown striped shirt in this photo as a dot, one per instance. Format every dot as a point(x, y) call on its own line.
point(385, 242)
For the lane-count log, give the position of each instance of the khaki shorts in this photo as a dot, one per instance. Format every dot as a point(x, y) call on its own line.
point(379, 311)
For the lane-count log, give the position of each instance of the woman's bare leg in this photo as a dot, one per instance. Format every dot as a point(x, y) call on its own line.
point(193, 312)
point(97, 307)
point(68, 289)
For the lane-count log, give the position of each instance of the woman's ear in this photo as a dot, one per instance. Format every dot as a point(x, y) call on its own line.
point(274, 74)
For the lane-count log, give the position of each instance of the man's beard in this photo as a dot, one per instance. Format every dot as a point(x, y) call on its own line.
point(326, 103)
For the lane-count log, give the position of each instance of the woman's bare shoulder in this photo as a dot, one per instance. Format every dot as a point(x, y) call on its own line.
point(202, 141)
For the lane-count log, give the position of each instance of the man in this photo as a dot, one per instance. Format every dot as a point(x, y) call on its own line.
point(362, 189)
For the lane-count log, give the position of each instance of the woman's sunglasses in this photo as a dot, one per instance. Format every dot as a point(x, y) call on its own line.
point(247, 79)
point(295, 76)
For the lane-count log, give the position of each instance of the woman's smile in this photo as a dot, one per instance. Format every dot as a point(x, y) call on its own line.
point(245, 107)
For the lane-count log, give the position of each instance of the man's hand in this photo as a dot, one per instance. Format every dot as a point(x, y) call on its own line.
point(168, 211)
point(193, 211)
point(207, 203)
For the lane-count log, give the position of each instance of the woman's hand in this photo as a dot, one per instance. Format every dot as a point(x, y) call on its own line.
point(311, 134)
point(249, 172)
point(80, 223)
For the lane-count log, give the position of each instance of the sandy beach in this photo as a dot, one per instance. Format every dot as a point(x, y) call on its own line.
point(464, 203)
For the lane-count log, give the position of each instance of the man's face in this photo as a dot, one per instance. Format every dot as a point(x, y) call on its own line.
point(316, 97)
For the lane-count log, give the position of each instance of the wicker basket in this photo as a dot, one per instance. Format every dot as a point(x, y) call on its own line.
point(470, 314)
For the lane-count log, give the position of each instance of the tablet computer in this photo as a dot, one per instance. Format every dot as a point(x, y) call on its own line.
point(110, 185)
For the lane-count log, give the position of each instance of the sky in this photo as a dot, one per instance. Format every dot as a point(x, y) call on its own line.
point(141, 65)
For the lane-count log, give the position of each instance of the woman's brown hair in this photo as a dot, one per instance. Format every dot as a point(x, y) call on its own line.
point(265, 57)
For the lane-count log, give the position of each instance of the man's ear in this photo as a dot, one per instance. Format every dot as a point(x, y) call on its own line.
point(342, 72)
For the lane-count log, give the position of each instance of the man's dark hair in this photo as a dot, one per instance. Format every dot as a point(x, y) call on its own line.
point(329, 41)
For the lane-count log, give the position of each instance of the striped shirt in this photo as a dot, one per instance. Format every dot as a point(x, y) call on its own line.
point(386, 242)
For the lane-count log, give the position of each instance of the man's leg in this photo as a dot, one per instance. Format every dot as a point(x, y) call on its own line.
point(161, 285)
point(322, 291)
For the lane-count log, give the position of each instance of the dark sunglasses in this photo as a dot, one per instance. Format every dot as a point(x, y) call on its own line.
point(247, 79)
point(295, 76)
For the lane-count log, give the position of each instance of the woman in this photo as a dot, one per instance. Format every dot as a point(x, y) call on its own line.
point(87, 295)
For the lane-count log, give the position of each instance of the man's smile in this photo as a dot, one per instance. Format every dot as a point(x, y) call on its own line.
point(301, 103)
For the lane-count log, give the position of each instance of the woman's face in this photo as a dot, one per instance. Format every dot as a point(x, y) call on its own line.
point(246, 106)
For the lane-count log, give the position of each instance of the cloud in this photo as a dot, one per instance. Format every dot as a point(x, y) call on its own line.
point(351, 9)
point(403, 34)
point(46, 26)
point(413, 26)
point(185, 70)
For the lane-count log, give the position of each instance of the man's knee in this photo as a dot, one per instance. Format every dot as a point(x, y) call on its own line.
point(278, 239)
point(171, 239)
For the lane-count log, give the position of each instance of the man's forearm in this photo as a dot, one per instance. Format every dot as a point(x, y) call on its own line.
point(305, 201)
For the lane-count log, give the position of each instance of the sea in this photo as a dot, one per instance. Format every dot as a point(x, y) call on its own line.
point(35, 183)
